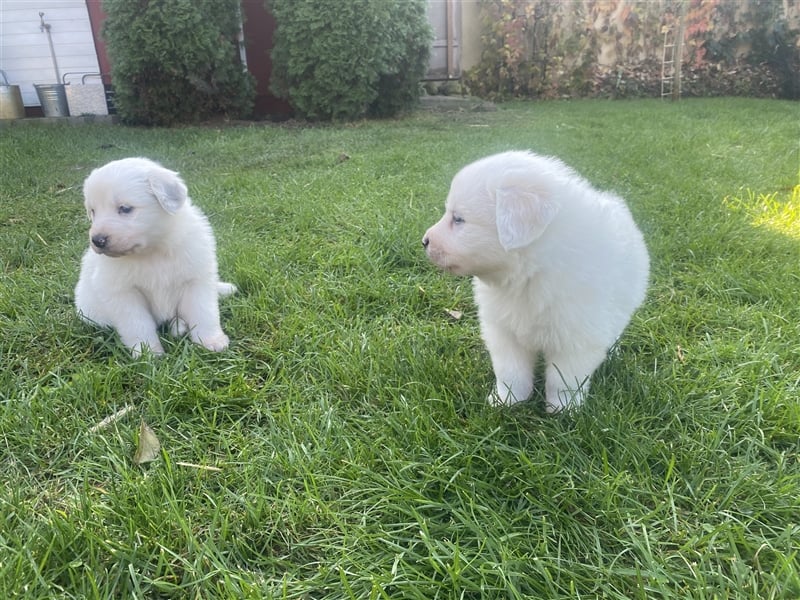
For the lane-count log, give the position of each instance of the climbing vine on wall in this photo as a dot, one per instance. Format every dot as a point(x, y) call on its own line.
point(551, 48)
point(506, 64)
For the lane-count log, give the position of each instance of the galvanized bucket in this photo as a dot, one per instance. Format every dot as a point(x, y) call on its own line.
point(11, 106)
point(53, 98)
point(86, 98)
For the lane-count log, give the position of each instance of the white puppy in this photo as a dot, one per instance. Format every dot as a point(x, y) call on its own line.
point(558, 267)
point(151, 258)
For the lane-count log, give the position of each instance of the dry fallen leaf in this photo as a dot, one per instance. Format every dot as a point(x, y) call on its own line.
point(149, 447)
point(456, 314)
point(681, 357)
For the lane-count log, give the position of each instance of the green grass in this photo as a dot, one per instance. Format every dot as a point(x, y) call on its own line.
point(354, 454)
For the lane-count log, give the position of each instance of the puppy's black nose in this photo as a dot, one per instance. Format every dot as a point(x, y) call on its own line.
point(425, 242)
point(100, 241)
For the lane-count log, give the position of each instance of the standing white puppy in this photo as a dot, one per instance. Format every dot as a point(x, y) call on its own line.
point(559, 268)
point(151, 258)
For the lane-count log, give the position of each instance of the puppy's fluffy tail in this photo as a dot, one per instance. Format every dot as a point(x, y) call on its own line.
point(225, 289)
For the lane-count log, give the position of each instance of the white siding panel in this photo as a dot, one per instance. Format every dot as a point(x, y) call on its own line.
point(444, 17)
point(24, 49)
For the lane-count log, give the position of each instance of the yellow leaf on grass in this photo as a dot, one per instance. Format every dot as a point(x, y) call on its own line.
point(148, 448)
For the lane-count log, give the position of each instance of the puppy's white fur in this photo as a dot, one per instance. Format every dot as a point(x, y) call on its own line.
point(559, 268)
point(151, 258)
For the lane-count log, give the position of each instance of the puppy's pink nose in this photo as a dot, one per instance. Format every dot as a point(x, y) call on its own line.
point(100, 241)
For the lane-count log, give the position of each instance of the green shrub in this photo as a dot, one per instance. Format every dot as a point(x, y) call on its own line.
point(345, 60)
point(176, 61)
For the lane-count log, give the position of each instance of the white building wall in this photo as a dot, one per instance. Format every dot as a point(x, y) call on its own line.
point(464, 29)
point(471, 46)
point(25, 53)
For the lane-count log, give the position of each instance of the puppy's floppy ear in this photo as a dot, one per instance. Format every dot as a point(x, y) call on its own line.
point(86, 195)
point(168, 188)
point(522, 211)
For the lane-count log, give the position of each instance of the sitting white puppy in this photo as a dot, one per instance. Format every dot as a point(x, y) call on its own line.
point(558, 267)
point(151, 258)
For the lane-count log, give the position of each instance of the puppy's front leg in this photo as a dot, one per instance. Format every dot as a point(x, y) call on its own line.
point(512, 364)
point(567, 378)
point(199, 309)
point(136, 326)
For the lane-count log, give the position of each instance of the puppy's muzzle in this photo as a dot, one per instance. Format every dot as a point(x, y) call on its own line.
point(99, 241)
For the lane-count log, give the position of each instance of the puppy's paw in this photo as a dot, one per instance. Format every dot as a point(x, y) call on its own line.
point(562, 399)
point(178, 327)
point(225, 289)
point(495, 399)
point(143, 348)
point(553, 408)
point(510, 390)
point(217, 343)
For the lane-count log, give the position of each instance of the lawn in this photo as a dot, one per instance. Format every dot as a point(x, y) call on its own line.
point(342, 446)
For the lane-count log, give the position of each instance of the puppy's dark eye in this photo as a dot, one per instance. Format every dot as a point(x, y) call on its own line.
point(457, 220)
point(124, 209)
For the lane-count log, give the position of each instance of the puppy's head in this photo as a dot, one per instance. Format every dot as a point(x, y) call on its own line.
point(495, 205)
point(131, 203)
